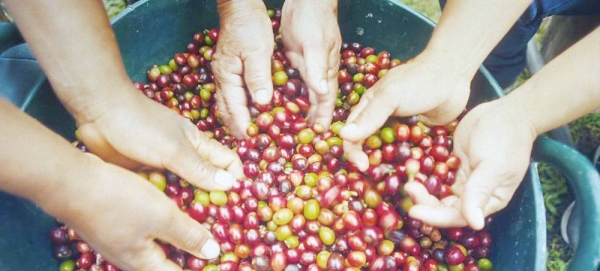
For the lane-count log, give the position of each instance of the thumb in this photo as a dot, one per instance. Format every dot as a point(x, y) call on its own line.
point(477, 194)
point(191, 236)
point(375, 112)
point(220, 156)
point(257, 75)
point(315, 76)
point(188, 165)
point(206, 163)
point(354, 153)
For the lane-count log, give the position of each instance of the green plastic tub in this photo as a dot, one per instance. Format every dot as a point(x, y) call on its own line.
point(150, 32)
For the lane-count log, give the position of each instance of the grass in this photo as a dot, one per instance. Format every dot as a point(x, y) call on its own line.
point(585, 132)
point(114, 7)
point(429, 8)
point(556, 199)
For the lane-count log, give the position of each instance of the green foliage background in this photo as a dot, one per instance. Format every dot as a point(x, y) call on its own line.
point(113, 7)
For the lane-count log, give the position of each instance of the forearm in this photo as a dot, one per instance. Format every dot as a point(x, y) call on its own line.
point(75, 45)
point(36, 163)
point(565, 89)
point(227, 7)
point(332, 3)
point(467, 32)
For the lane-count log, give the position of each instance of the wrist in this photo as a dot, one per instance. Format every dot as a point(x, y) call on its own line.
point(323, 3)
point(90, 103)
point(226, 7)
point(520, 104)
point(514, 115)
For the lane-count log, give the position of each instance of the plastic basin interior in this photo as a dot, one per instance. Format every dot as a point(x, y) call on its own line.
point(150, 32)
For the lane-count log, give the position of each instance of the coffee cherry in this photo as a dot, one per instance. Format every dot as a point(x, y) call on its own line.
point(312, 209)
point(301, 205)
point(455, 255)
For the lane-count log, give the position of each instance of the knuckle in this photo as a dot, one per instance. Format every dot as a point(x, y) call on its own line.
point(194, 136)
point(257, 77)
point(367, 115)
point(256, 50)
point(224, 66)
point(203, 170)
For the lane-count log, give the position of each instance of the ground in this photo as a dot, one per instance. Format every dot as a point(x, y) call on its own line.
point(585, 132)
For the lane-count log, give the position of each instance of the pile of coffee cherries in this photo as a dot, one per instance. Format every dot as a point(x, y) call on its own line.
point(301, 205)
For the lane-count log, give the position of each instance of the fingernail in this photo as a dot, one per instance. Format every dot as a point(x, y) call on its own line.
point(262, 96)
point(211, 249)
point(323, 85)
point(349, 129)
point(224, 179)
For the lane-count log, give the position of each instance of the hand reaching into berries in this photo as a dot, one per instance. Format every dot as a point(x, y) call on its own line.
point(140, 130)
point(116, 121)
point(415, 88)
point(312, 41)
point(126, 227)
point(494, 150)
point(494, 140)
point(115, 210)
point(435, 86)
point(242, 61)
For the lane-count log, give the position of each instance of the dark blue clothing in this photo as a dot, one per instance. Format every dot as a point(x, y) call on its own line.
point(508, 59)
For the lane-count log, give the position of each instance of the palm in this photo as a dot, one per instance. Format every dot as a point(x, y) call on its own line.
point(494, 156)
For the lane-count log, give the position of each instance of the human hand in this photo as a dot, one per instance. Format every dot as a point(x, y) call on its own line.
point(312, 40)
point(140, 131)
point(242, 61)
point(421, 87)
point(494, 147)
point(118, 212)
point(121, 216)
